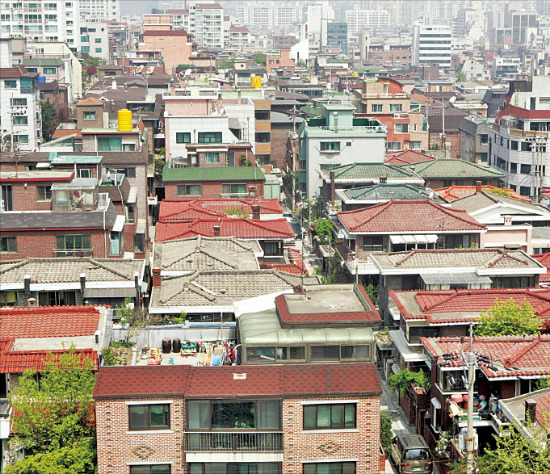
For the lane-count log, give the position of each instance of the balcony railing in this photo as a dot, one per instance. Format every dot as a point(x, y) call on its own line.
point(73, 253)
point(234, 442)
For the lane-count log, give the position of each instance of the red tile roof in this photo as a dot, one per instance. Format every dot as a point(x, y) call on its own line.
point(542, 410)
point(407, 157)
point(455, 192)
point(59, 133)
point(544, 259)
point(16, 362)
point(238, 381)
point(510, 356)
point(89, 101)
point(408, 216)
point(452, 306)
point(282, 267)
point(524, 113)
point(49, 321)
point(240, 228)
point(208, 208)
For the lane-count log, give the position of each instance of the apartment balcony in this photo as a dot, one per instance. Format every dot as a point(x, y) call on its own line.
point(246, 441)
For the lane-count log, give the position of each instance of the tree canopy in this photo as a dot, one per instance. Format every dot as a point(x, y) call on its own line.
point(259, 58)
point(50, 119)
point(54, 415)
point(507, 318)
point(323, 229)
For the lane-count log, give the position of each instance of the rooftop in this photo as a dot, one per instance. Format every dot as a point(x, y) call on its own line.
point(368, 172)
point(385, 192)
point(247, 173)
point(47, 62)
point(510, 356)
point(241, 228)
point(68, 270)
point(215, 289)
point(465, 306)
point(482, 261)
point(514, 408)
point(544, 259)
point(408, 216)
point(407, 157)
point(44, 176)
point(327, 304)
point(238, 382)
point(453, 192)
point(211, 208)
point(206, 254)
point(453, 168)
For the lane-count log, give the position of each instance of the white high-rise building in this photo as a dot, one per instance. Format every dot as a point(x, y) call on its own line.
point(42, 20)
point(361, 20)
point(432, 45)
point(269, 15)
point(206, 24)
point(99, 10)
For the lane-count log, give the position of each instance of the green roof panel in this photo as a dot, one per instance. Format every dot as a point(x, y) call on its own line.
point(213, 174)
point(453, 168)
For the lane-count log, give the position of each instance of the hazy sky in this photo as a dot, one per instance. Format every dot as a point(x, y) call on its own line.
point(137, 7)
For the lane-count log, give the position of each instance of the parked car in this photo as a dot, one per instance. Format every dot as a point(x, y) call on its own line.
point(411, 454)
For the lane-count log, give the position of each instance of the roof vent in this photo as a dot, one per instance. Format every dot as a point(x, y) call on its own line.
point(239, 376)
point(223, 291)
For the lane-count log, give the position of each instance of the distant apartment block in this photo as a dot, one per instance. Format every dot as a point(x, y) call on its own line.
point(432, 45)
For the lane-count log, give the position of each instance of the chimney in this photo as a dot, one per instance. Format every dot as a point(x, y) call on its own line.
point(27, 286)
point(383, 179)
point(239, 98)
point(113, 84)
point(31, 303)
point(332, 186)
point(82, 284)
point(220, 103)
point(255, 211)
point(478, 186)
point(507, 220)
point(217, 230)
point(156, 277)
point(531, 411)
point(125, 86)
point(172, 89)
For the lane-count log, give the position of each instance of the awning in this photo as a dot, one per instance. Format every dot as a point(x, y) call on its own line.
point(454, 278)
point(414, 239)
point(109, 293)
point(405, 350)
point(119, 223)
point(141, 226)
point(435, 403)
point(132, 195)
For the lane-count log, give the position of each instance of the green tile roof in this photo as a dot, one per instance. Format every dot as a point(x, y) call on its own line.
point(382, 192)
point(453, 168)
point(213, 174)
point(368, 170)
point(48, 62)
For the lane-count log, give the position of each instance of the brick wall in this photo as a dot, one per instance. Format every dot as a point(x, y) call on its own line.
point(25, 198)
point(209, 190)
point(361, 445)
point(41, 244)
point(117, 447)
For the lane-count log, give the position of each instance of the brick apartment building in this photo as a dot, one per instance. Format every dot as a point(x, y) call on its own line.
point(187, 419)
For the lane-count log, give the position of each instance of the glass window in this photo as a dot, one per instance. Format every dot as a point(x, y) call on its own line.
point(27, 85)
point(485, 138)
point(98, 40)
point(85, 39)
point(233, 415)
point(73, 242)
point(401, 128)
point(89, 115)
point(20, 120)
point(417, 454)
point(396, 107)
point(50, 70)
point(330, 468)
point(393, 146)
point(189, 190)
point(325, 352)
point(331, 416)
point(9, 84)
point(377, 108)
point(18, 101)
point(355, 352)
point(330, 146)
point(8, 244)
point(109, 144)
point(235, 188)
point(525, 169)
point(21, 138)
point(212, 157)
point(85, 49)
point(262, 114)
point(210, 137)
point(415, 145)
point(44, 193)
point(263, 137)
point(183, 137)
point(149, 417)
point(139, 243)
point(151, 469)
point(374, 243)
point(98, 50)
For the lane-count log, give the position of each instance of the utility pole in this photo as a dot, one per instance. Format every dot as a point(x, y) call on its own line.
point(443, 135)
point(293, 152)
point(471, 361)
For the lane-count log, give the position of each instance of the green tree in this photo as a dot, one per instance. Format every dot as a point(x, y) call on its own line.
point(403, 379)
point(132, 320)
point(514, 453)
point(78, 458)
point(50, 119)
point(386, 434)
point(461, 77)
point(324, 229)
point(507, 318)
point(56, 409)
point(301, 63)
point(259, 58)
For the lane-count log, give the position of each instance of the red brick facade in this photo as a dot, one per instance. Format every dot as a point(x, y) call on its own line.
point(118, 448)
